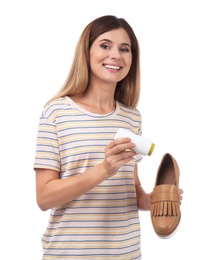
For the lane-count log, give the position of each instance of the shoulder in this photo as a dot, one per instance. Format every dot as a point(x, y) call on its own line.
point(129, 111)
point(55, 107)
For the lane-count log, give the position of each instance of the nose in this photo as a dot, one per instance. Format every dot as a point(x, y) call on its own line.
point(115, 54)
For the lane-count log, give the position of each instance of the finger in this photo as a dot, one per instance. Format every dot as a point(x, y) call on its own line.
point(122, 159)
point(122, 147)
point(118, 141)
point(180, 191)
point(124, 155)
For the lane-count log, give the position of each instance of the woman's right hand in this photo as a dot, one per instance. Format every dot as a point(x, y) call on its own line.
point(117, 153)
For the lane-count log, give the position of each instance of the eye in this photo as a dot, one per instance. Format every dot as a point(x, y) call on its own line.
point(125, 49)
point(105, 46)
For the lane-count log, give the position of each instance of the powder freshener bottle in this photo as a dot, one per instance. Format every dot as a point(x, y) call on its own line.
point(143, 146)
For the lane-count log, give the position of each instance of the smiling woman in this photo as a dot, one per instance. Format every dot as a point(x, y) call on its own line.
point(88, 179)
point(110, 61)
point(128, 89)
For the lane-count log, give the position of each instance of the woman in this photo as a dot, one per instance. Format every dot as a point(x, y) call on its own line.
point(88, 179)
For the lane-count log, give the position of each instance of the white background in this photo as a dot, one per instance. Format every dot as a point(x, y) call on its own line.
point(37, 42)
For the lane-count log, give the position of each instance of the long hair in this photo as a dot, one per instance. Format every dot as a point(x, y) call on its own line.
point(128, 89)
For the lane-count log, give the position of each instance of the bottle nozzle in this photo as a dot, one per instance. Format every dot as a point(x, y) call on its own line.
point(151, 149)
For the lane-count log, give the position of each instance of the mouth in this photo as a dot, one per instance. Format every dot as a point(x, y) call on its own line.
point(113, 67)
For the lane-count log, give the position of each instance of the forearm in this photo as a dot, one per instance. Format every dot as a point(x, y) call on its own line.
point(143, 198)
point(57, 192)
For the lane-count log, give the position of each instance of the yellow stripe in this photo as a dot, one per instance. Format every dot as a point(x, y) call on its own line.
point(95, 217)
point(102, 203)
point(132, 255)
point(96, 245)
point(95, 231)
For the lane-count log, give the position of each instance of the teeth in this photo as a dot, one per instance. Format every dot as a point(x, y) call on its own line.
point(112, 67)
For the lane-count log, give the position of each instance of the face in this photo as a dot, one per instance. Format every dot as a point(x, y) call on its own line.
point(111, 56)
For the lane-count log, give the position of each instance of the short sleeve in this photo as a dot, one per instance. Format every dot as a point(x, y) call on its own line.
point(47, 154)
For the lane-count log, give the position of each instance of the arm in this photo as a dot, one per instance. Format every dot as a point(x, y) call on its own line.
point(143, 198)
point(51, 191)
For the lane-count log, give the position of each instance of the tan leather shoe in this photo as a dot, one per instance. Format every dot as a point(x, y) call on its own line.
point(165, 205)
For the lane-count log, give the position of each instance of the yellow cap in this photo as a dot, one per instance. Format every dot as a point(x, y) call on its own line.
point(151, 149)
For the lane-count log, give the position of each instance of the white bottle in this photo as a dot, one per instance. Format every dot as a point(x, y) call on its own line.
point(143, 145)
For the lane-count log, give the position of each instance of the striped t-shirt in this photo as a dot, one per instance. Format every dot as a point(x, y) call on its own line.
point(103, 223)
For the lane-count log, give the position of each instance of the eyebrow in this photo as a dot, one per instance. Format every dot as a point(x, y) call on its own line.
point(107, 40)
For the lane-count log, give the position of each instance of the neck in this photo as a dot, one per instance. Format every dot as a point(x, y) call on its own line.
point(101, 96)
point(96, 102)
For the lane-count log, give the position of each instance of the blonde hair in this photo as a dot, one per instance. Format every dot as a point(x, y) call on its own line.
point(128, 89)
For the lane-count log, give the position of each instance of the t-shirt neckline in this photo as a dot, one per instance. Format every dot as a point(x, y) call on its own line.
point(85, 111)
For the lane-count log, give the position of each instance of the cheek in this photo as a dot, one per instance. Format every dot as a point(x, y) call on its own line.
point(96, 53)
point(128, 62)
point(95, 58)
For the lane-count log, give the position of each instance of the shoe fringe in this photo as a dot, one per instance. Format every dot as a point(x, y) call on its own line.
point(165, 208)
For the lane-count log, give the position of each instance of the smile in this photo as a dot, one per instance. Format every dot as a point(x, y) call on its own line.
point(112, 67)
